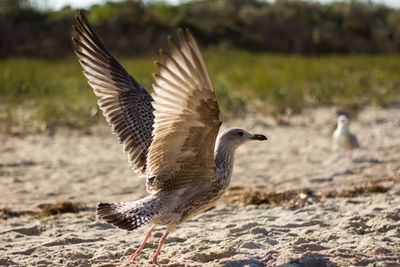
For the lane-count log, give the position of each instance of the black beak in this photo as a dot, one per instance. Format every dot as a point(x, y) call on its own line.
point(259, 137)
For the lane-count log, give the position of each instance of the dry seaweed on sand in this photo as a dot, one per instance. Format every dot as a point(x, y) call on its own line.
point(357, 191)
point(48, 210)
point(59, 208)
point(289, 199)
point(295, 198)
point(6, 213)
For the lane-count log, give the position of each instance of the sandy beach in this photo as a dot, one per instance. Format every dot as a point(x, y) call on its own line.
point(323, 228)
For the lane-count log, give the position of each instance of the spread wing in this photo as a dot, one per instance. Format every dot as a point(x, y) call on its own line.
point(186, 118)
point(124, 102)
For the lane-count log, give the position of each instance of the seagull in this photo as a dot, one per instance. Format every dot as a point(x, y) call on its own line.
point(170, 137)
point(343, 138)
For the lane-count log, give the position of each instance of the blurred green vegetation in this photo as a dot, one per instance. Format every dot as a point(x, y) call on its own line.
point(39, 94)
point(133, 27)
point(322, 56)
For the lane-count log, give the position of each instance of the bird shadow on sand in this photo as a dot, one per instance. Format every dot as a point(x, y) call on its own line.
point(309, 260)
point(18, 164)
point(243, 262)
point(367, 160)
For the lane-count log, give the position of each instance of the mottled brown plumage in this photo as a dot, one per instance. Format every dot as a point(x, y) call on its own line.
point(124, 102)
point(170, 137)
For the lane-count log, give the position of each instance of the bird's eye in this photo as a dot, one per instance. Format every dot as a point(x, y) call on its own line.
point(240, 134)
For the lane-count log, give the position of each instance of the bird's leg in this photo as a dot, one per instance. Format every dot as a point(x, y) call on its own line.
point(136, 253)
point(154, 259)
point(351, 156)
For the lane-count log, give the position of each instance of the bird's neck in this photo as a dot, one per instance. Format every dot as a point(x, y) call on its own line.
point(224, 157)
point(342, 127)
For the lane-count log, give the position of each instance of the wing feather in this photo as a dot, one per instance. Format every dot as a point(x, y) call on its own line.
point(186, 118)
point(124, 102)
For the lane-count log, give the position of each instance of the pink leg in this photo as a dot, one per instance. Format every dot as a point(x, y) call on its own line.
point(154, 259)
point(135, 254)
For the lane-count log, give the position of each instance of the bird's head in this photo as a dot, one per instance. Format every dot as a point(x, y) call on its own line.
point(236, 136)
point(342, 120)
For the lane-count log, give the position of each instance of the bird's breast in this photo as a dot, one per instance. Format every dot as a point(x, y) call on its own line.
point(186, 203)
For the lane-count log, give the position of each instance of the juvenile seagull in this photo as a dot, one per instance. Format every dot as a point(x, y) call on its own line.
point(343, 138)
point(170, 138)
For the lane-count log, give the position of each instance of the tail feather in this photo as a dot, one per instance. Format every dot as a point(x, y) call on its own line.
point(129, 215)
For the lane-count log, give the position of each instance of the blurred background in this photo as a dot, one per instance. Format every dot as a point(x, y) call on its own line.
point(273, 57)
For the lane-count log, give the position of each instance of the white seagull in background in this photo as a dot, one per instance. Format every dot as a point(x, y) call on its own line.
point(170, 137)
point(343, 138)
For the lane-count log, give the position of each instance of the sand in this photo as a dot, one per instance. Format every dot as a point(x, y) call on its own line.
point(66, 165)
